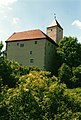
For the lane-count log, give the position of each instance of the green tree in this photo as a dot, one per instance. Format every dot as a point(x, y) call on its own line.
point(38, 96)
point(69, 52)
point(70, 76)
point(10, 72)
point(76, 77)
point(1, 53)
point(65, 74)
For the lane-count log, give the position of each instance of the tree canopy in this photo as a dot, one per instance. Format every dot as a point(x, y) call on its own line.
point(38, 96)
point(69, 51)
point(33, 94)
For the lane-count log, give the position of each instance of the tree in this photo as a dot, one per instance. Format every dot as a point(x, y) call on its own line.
point(10, 72)
point(1, 45)
point(70, 76)
point(65, 74)
point(76, 76)
point(38, 96)
point(69, 52)
point(1, 53)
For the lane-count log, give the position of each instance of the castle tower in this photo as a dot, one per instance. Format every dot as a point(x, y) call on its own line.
point(55, 31)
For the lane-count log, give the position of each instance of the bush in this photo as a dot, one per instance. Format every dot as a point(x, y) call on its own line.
point(65, 74)
point(10, 72)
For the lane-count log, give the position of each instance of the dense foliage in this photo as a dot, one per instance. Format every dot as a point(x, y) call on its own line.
point(37, 96)
point(1, 53)
point(69, 62)
point(69, 51)
point(10, 72)
point(33, 94)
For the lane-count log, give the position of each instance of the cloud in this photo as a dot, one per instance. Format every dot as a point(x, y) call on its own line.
point(7, 2)
point(2, 32)
point(5, 16)
point(4, 3)
point(77, 23)
point(15, 20)
point(9, 8)
point(16, 23)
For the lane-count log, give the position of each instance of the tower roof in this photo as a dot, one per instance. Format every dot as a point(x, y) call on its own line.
point(54, 23)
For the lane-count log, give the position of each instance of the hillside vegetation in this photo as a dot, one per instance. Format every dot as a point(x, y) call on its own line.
point(33, 94)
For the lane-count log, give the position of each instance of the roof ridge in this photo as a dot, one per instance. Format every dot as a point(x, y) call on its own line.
point(24, 36)
point(31, 34)
point(27, 31)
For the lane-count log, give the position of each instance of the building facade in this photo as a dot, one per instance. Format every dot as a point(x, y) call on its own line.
point(32, 48)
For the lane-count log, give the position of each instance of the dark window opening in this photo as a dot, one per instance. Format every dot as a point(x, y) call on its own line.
point(21, 45)
point(31, 60)
point(30, 52)
point(17, 44)
point(48, 44)
point(35, 42)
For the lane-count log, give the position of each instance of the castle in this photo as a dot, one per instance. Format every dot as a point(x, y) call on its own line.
point(34, 47)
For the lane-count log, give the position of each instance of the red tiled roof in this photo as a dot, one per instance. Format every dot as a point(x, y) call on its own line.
point(27, 35)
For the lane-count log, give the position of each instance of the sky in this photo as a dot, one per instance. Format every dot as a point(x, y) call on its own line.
point(23, 15)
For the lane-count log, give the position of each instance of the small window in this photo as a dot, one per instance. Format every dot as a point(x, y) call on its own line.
point(30, 52)
point(48, 44)
point(31, 60)
point(35, 42)
point(17, 44)
point(21, 45)
point(51, 29)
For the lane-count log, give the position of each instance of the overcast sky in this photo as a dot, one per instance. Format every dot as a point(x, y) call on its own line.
point(22, 15)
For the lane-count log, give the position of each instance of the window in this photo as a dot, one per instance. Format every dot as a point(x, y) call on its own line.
point(31, 60)
point(30, 52)
point(17, 44)
point(21, 45)
point(48, 44)
point(35, 42)
point(51, 29)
